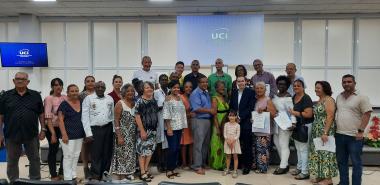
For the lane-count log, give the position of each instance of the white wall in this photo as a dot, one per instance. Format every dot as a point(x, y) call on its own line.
point(322, 48)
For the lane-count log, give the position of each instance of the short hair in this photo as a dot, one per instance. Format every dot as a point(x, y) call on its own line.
point(22, 73)
point(173, 83)
point(292, 64)
point(161, 76)
point(195, 61)
point(52, 84)
point(219, 60)
point(349, 76)
point(146, 58)
point(260, 83)
point(99, 83)
point(326, 87)
point(71, 85)
point(115, 77)
point(149, 83)
point(179, 62)
point(123, 90)
point(244, 69)
point(201, 76)
point(219, 82)
point(300, 81)
point(257, 60)
point(283, 78)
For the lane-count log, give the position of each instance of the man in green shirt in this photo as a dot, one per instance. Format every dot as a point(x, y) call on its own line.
point(219, 75)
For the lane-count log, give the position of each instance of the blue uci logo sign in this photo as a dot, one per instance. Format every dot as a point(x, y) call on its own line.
point(220, 34)
point(23, 53)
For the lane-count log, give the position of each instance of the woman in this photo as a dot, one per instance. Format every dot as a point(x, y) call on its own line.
point(241, 71)
point(187, 138)
point(71, 127)
point(117, 82)
point(89, 88)
point(174, 113)
point(323, 164)
point(160, 95)
point(146, 120)
point(124, 157)
point(303, 111)
point(262, 141)
point(282, 102)
point(220, 105)
point(51, 104)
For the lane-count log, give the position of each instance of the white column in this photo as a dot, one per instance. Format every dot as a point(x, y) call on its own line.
point(29, 31)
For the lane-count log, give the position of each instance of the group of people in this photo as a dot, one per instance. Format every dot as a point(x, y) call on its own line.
point(192, 121)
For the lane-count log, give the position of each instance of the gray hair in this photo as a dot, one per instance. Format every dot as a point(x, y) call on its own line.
point(100, 83)
point(22, 73)
point(123, 90)
point(260, 83)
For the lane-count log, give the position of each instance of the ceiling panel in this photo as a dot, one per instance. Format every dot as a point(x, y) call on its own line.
point(146, 8)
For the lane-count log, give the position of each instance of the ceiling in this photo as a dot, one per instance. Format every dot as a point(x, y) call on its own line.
point(180, 7)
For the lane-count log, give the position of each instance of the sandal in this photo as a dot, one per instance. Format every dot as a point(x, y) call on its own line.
point(225, 172)
point(149, 175)
point(144, 177)
point(260, 171)
point(176, 174)
point(170, 175)
point(234, 174)
point(316, 180)
point(302, 176)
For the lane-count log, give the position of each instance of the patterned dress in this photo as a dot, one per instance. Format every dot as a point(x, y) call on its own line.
point(322, 164)
point(124, 156)
point(217, 157)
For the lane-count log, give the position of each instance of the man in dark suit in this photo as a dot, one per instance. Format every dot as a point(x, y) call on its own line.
point(243, 101)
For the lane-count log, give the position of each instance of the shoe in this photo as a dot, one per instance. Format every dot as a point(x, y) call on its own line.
point(149, 175)
point(106, 177)
point(295, 172)
point(225, 172)
point(56, 178)
point(280, 171)
point(130, 177)
point(246, 171)
point(144, 177)
point(234, 174)
point(124, 181)
point(302, 176)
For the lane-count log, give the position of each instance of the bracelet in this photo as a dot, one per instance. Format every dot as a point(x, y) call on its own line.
point(44, 129)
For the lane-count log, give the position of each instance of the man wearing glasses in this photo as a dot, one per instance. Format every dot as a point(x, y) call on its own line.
point(20, 110)
point(194, 75)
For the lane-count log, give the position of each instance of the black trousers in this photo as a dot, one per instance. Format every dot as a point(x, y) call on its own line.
point(245, 159)
point(52, 154)
point(101, 150)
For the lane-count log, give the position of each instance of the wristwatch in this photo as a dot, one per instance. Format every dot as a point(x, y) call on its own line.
point(360, 130)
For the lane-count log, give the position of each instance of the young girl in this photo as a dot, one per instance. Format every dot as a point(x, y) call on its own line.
point(231, 142)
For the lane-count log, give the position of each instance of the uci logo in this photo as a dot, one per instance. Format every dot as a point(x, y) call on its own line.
point(24, 53)
point(220, 34)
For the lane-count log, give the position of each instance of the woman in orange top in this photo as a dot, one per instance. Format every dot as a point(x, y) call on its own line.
point(187, 139)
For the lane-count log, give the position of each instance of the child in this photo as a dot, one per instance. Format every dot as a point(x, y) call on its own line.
point(231, 142)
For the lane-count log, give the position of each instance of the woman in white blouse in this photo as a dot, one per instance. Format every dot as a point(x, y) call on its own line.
point(174, 113)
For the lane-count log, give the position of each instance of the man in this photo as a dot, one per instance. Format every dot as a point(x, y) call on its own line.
point(243, 101)
point(200, 102)
point(179, 68)
point(194, 75)
point(265, 77)
point(352, 116)
point(97, 119)
point(145, 74)
point(20, 110)
point(219, 75)
point(291, 70)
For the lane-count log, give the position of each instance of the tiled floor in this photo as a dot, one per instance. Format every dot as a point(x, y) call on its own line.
point(371, 176)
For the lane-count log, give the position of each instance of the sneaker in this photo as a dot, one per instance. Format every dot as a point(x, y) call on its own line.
point(106, 177)
point(234, 174)
point(226, 171)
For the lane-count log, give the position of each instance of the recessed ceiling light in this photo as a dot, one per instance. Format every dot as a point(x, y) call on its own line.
point(44, 0)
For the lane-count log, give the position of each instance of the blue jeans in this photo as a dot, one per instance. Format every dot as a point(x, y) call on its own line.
point(174, 142)
point(348, 146)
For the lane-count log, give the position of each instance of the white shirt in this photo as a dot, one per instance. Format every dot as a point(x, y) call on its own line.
point(96, 112)
point(149, 76)
point(240, 93)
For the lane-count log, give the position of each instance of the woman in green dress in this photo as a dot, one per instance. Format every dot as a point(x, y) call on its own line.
point(220, 105)
point(323, 164)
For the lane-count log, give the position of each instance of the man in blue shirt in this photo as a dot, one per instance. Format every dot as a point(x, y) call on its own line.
point(200, 102)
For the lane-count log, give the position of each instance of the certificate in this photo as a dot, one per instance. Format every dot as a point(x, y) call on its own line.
point(261, 122)
point(328, 146)
point(283, 120)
